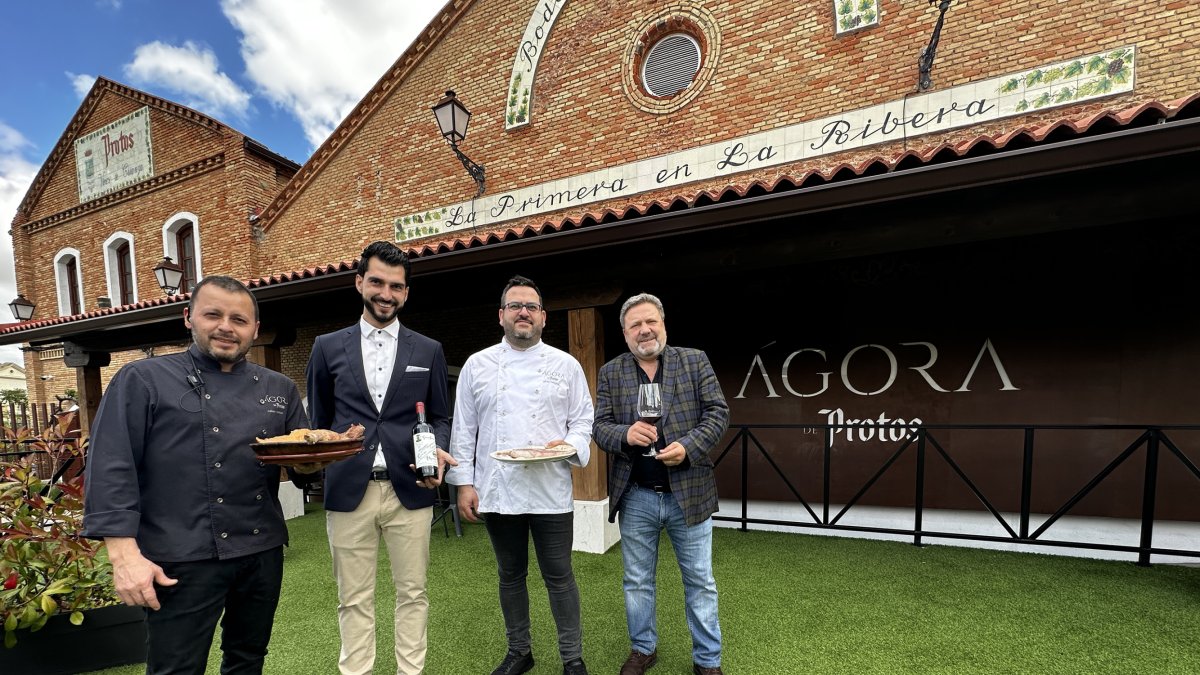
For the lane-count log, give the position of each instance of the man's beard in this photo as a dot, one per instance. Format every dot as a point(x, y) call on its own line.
point(373, 310)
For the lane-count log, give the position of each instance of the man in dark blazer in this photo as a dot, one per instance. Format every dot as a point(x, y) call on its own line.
point(672, 487)
point(374, 373)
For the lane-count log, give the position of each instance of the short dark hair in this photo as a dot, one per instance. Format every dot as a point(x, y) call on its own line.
point(519, 280)
point(388, 254)
point(224, 283)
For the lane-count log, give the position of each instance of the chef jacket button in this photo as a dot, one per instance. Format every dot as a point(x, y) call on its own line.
point(207, 396)
point(258, 498)
point(264, 432)
point(256, 530)
point(224, 535)
point(256, 378)
point(262, 401)
point(216, 430)
point(261, 464)
point(220, 500)
point(217, 465)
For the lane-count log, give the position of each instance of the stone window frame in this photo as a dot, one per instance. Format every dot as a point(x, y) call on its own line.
point(112, 267)
point(171, 245)
point(61, 283)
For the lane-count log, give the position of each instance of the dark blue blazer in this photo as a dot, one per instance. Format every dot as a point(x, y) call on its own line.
point(338, 397)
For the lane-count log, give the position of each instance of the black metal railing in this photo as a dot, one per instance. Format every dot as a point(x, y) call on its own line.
point(921, 440)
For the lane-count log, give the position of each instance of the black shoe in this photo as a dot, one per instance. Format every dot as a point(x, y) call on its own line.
point(575, 667)
point(514, 664)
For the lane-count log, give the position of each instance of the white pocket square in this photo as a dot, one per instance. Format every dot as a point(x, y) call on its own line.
point(416, 369)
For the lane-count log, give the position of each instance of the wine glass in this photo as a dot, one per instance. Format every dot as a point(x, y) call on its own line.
point(650, 409)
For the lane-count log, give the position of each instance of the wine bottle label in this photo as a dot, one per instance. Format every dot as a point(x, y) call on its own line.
point(425, 449)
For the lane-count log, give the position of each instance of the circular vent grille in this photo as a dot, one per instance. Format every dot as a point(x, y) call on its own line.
point(671, 65)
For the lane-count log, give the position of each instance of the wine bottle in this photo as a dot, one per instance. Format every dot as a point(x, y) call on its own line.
point(424, 445)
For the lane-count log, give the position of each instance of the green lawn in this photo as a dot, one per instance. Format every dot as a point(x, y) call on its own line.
point(789, 604)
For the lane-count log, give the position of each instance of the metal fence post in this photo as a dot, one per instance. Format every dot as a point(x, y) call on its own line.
point(920, 496)
point(1149, 492)
point(1026, 482)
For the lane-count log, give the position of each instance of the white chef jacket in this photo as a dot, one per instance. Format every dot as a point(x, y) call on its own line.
point(508, 398)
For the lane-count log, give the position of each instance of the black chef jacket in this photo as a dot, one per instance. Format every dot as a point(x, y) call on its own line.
point(170, 462)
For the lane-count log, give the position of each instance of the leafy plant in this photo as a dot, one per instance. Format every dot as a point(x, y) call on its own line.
point(47, 566)
point(14, 396)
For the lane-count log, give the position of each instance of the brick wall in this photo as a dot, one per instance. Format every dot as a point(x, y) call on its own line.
point(779, 64)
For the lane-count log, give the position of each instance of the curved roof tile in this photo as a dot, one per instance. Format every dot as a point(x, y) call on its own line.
point(1066, 128)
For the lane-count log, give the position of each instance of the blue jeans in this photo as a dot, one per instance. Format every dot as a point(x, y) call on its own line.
point(552, 536)
point(644, 514)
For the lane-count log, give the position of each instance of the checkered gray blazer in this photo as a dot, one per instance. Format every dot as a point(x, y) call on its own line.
point(696, 416)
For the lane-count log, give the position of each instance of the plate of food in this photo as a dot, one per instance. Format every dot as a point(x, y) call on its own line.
point(306, 446)
point(535, 454)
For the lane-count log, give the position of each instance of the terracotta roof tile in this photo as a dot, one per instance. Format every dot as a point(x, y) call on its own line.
point(1143, 114)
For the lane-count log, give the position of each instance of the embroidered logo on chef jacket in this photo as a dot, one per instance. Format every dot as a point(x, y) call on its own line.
point(278, 403)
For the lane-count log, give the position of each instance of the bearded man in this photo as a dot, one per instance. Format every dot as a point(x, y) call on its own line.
point(374, 373)
point(190, 517)
point(524, 392)
point(671, 487)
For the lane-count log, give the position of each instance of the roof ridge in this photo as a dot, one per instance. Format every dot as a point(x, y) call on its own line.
point(84, 112)
point(366, 108)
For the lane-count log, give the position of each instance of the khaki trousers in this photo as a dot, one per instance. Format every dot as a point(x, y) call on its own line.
point(354, 543)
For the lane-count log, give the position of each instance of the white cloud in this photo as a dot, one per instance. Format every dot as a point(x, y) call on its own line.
point(16, 174)
point(318, 58)
point(190, 72)
point(81, 83)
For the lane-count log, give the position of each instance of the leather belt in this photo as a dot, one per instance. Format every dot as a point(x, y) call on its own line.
point(379, 475)
point(655, 488)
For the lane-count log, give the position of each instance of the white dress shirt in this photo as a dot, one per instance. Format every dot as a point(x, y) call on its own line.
point(379, 356)
point(508, 398)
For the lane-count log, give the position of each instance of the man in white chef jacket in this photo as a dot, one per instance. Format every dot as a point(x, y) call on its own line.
point(523, 392)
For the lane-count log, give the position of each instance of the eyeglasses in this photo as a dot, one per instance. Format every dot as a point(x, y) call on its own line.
point(530, 307)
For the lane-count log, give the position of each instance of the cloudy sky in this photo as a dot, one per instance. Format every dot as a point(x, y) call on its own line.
point(284, 72)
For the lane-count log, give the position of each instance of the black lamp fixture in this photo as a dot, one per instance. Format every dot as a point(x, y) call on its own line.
point(169, 275)
point(22, 309)
point(925, 61)
point(452, 118)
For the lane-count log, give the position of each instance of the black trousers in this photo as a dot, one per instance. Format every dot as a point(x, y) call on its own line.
point(552, 535)
point(246, 589)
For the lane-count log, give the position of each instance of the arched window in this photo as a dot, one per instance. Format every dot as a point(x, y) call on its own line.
point(68, 282)
point(181, 243)
point(120, 269)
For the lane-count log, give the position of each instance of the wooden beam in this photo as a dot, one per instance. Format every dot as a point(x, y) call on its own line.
point(267, 356)
point(586, 336)
point(87, 385)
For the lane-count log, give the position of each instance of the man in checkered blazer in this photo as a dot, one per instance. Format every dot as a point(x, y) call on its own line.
point(661, 477)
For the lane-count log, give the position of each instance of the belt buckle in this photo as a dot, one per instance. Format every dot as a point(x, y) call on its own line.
point(379, 475)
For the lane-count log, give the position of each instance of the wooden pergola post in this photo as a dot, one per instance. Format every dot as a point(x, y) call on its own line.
point(586, 337)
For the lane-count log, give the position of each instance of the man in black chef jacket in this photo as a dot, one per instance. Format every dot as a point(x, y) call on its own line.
point(191, 519)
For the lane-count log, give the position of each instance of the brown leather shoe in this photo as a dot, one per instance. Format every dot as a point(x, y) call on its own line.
point(638, 663)
point(701, 670)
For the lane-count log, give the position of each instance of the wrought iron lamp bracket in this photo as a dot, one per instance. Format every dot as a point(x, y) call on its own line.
point(925, 61)
point(476, 170)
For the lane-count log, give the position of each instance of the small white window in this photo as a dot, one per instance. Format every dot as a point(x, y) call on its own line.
point(120, 271)
point(68, 282)
point(181, 243)
point(671, 65)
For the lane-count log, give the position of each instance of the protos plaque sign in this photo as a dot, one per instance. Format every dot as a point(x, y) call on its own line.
point(114, 156)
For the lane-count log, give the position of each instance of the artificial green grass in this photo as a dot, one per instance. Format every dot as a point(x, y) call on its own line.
point(788, 604)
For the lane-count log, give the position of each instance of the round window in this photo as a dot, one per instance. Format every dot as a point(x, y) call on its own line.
point(671, 65)
point(672, 56)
